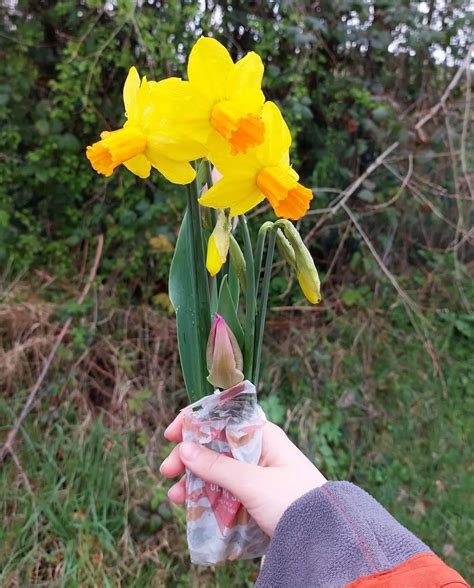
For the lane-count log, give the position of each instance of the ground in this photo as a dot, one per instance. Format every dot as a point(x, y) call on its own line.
point(369, 392)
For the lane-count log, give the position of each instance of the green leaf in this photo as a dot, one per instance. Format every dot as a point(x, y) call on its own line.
point(234, 286)
point(366, 195)
point(274, 409)
point(201, 173)
point(226, 309)
point(214, 297)
point(184, 298)
point(356, 296)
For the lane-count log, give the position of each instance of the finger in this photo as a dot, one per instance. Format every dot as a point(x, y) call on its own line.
point(174, 431)
point(177, 492)
point(277, 448)
point(236, 476)
point(172, 466)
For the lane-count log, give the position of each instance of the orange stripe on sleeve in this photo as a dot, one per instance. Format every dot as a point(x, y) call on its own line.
point(425, 570)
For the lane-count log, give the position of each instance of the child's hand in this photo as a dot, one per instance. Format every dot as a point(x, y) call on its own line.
point(267, 490)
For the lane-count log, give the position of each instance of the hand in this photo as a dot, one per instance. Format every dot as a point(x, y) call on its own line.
point(266, 490)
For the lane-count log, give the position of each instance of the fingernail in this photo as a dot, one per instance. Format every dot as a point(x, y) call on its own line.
point(188, 450)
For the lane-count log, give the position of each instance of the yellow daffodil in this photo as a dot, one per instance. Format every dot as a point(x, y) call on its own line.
point(263, 172)
point(221, 98)
point(147, 138)
point(218, 245)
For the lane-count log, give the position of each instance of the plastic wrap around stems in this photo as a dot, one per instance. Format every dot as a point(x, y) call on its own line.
point(219, 528)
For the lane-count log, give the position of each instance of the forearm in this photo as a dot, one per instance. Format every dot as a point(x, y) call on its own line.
point(338, 535)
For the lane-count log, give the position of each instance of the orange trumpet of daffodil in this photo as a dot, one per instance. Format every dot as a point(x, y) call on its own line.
point(147, 138)
point(220, 99)
point(263, 172)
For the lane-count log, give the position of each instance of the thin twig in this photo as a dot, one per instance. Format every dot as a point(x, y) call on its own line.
point(420, 196)
point(81, 40)
point(361, 179)
point(406, 181)
point(338, 252)
point(349, 191)
point(460, 208)
point(410, 305)
point(7, 447)
point(465, 126)
point(403, 295)
point(434, 110)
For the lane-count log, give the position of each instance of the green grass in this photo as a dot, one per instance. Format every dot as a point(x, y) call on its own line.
point(379, 416)
point(96, 514)
point(356, 390)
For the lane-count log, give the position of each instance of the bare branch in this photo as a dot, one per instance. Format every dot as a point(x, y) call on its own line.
point(349, 191)
point(410, 305)
point(465, 126)
point(442, 101)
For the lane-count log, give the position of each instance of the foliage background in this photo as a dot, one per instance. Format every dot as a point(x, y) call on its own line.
point(375, 384)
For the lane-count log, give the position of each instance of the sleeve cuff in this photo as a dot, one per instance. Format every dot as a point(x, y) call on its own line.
point(333, 535)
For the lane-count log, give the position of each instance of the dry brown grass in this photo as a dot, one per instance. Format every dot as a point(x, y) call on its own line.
point(105, 372)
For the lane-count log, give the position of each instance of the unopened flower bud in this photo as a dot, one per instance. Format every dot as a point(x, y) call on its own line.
point(285, 249)
point(224, 358)
point(218, 245)
point(306, 271)
point(238, 261)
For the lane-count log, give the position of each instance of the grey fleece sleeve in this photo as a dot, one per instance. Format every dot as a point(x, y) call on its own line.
point(332, 536)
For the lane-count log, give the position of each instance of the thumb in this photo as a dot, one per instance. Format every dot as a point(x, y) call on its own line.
point(229, 473)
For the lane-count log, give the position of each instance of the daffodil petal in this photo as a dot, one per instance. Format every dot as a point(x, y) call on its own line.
point(244, 84)
point(178, 111)
point(214, 261)
point(178, 172)
point(310, 286)
point(274, 149)
point(170, 96)
point(226, 163)
point(226, 192)
point(177, 148)
point(139, 165)
point(251, 200)
point(240, 195)
point(209, 67)
point(130, 91)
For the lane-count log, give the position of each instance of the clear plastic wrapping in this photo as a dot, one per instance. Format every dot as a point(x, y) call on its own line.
point(219, 528)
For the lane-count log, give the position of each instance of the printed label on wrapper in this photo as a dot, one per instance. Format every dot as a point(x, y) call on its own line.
point(219, 528)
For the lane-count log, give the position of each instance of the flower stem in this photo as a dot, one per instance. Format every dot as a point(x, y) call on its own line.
point(262, 312)
point(214, 281)
point(262, 233)
point(209, 180)
point(249, 338)
point(198, 275)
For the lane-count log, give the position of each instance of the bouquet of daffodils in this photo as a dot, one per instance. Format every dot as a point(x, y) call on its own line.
point(216, 125)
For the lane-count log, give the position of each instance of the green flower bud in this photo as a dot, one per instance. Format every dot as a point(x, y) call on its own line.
point(306, 271)
point(285, 249)
point(238, 261)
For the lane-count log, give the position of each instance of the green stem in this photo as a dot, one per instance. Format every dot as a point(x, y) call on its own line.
point(262, 313)
point(249, 339)
point(209, 180)
point(214, 281)
point(198, 277)
point(262, 233)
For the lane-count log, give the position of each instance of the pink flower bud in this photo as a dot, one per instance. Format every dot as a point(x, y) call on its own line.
point(224, 358)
